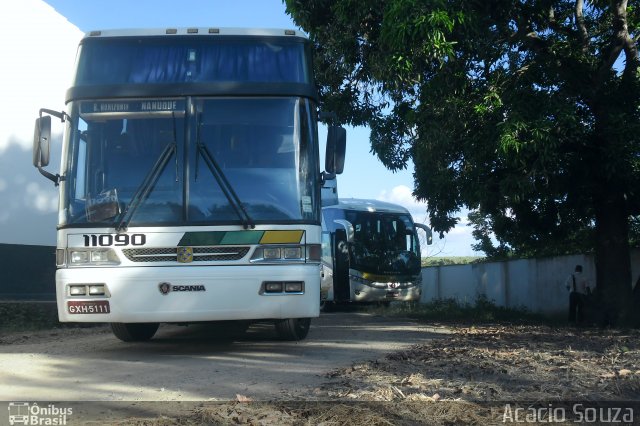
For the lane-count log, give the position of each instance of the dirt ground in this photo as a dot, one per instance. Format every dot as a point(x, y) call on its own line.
point(481, 374)
point(486, 374)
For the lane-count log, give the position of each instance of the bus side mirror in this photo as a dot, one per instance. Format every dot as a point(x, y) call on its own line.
point(348, 228)
point(427, 231)
point(41, 141)
point(335, 151)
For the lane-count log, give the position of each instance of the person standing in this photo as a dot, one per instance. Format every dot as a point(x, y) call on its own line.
point(579, 290)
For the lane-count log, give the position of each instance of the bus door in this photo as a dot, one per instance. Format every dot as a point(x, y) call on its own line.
point(340, 249)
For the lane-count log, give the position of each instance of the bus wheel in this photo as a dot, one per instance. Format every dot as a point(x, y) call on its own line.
point(293, 328)
point(134, 332)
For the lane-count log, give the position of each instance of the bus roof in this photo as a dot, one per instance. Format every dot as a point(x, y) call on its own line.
point(367, 206)
point(193, 31)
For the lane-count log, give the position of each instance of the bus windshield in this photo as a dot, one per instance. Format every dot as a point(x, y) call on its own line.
point(174, 161)
point(384, 243)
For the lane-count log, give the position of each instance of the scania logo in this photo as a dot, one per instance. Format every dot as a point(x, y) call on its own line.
point(166, 288)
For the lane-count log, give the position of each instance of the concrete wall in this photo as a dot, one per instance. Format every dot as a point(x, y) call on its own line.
point(535, 284)
point(27, 272)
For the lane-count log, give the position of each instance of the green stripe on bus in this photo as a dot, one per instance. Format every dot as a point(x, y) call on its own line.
point(242, 237)
point(218, 238)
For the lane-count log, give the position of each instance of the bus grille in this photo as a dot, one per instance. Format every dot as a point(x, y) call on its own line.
point(200, 254)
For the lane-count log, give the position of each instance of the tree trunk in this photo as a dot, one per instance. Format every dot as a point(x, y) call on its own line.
point(612, 257)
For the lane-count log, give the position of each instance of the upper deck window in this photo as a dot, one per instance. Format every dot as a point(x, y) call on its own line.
point(152, 60)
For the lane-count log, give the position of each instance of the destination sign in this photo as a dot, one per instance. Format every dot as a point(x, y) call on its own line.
point(133, 107)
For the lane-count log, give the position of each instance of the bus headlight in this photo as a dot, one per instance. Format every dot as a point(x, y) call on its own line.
point(295, 253)
point(96, 290)
point(99, 256)
point(77, 257)
point(293, 287)
point(81, 257)
point(282, 287)
point(77, 290)
point(88, 289)
point(273, 287)
point(292, 253)
point(271, 253)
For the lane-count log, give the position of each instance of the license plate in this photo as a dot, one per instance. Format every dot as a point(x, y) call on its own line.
point(88, 307)
point(392, 294)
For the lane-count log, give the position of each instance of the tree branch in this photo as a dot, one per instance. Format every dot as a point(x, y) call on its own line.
point(629, 45)
point(582, 28)
point(554, 25)
point(620, 40)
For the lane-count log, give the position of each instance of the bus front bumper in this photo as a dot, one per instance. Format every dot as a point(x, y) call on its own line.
point(364, 293)
point(187, 294)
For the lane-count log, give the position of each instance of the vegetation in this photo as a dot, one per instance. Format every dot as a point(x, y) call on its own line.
point(526, 113)
point(32, 316)
point(454, 260)
point(480, 311)
point(28, 316)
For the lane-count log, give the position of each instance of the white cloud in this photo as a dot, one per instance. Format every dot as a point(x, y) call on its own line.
point(41, 198)
point(463, 227)
point(402, 195)
point(28, 214)
point(457, 242)
point(38, 51)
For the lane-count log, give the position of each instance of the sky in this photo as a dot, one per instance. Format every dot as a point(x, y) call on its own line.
point(38, 69)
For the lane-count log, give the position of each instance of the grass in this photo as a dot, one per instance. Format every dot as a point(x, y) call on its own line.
point(24, 316)
point(31, 316)
point(453, 260)
point(482, 311)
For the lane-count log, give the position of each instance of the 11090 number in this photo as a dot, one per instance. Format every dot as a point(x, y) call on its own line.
point(106, 240)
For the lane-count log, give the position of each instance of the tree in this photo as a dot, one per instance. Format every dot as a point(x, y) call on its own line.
point(524, 112)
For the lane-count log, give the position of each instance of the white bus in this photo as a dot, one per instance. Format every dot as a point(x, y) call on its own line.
point(190, 180)
point(370, 253)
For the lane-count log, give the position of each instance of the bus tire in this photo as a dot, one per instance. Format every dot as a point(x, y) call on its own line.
point(293, 329)
point(134, 332)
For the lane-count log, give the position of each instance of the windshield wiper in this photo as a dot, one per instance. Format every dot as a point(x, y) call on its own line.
point(145, 188)
point(226, 187)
